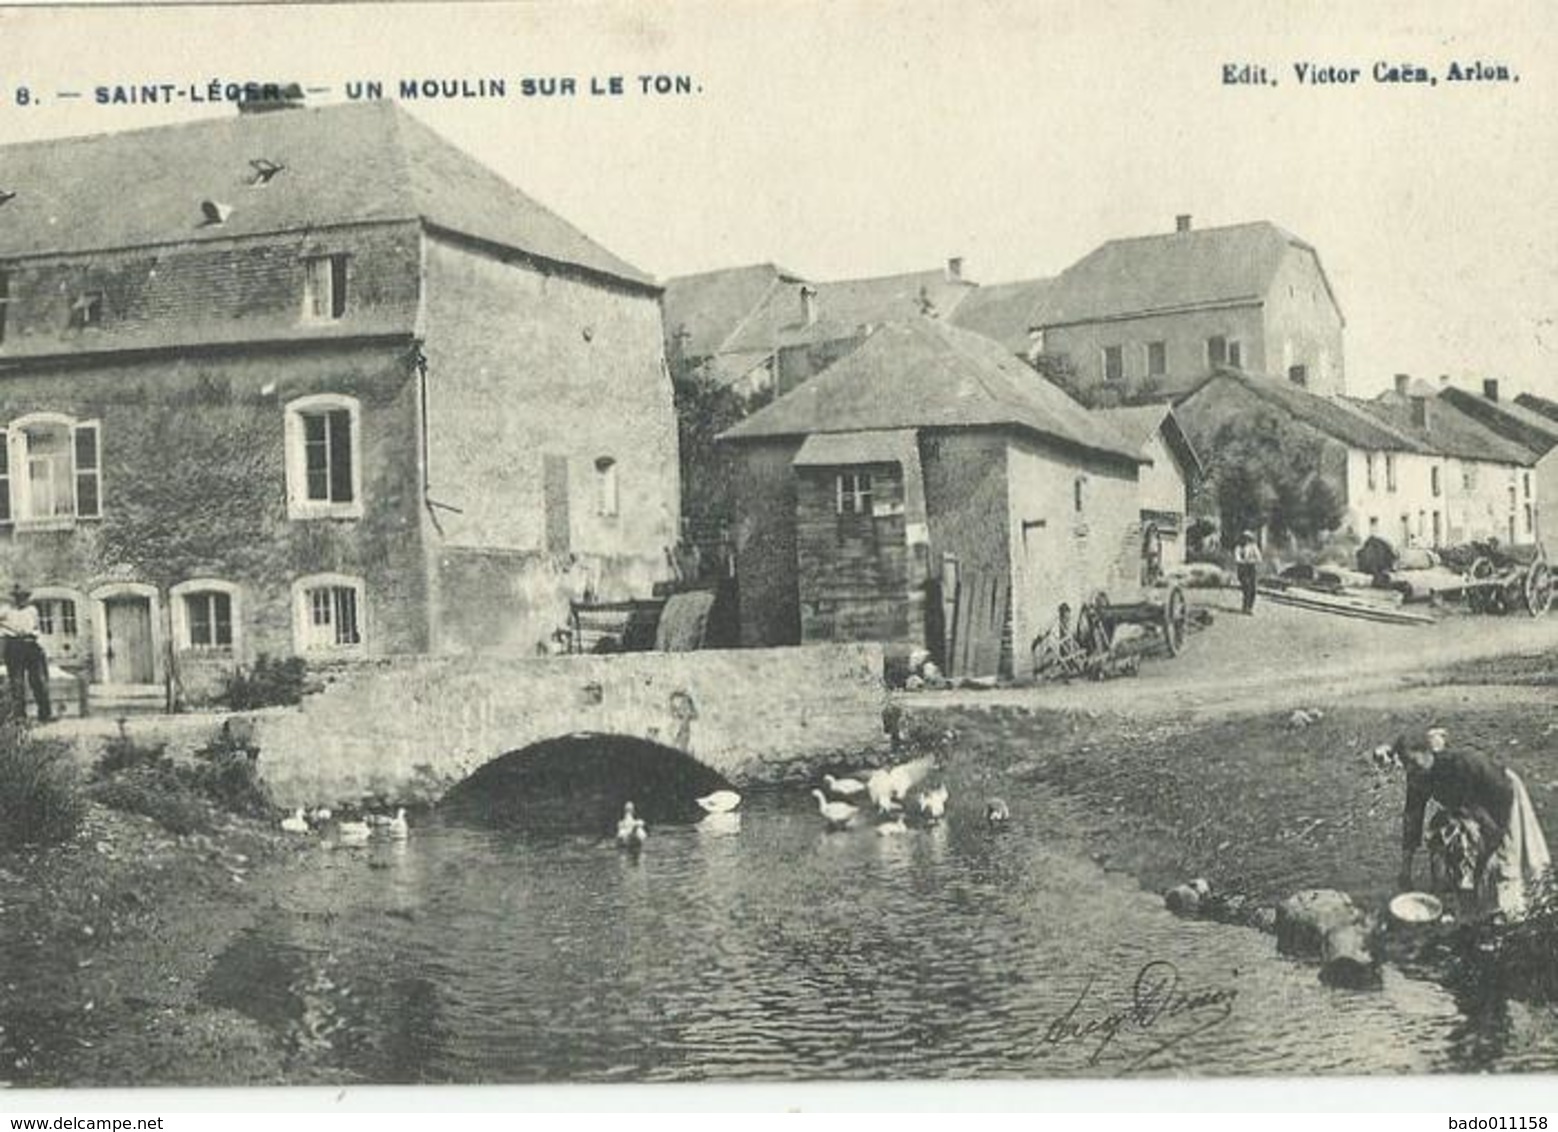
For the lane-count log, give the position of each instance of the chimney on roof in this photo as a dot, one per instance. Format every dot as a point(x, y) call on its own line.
point(1490, 388)
point(1402, 381)
point(808, 304)
point(1182, 222)
point(955, 269)
point(263, 98)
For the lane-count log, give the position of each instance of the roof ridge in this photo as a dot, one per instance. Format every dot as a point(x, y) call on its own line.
point(741, 323)
point(202, 122)
point(1196, 232)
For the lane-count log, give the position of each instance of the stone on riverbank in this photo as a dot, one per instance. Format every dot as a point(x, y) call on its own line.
point(1306, 918)
point(1347, 959)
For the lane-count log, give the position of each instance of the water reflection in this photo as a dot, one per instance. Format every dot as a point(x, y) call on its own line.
point(757, 945)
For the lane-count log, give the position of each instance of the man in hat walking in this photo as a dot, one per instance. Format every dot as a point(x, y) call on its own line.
point(25, 661)
point(1246, 557)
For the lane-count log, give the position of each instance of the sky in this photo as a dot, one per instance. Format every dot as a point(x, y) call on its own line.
point(865, 137)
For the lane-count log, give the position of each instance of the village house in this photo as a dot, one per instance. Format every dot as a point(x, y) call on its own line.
point(1519, 422)
point(1153, 315)
point(1170, 471)
point(1006, 313)
point(1484, 481)
point(928, 461)
point(761, 329)
point(313, 382)
point(1413, 474)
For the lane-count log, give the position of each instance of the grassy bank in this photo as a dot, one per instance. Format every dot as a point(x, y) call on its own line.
point(1256, 804)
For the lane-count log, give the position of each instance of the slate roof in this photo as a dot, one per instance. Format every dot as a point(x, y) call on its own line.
point(921, 373)
point(1449, 432)
point(1507, 418)
point(847, 308)
point(1204, 267)
point(1542, 406)
point(1334, 416)
point(712, 305)
point(1006, 312)
point(346, 164)
point(1139, 424)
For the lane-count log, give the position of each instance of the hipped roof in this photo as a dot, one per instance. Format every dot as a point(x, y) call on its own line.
point(347, 164)
point(922, 373)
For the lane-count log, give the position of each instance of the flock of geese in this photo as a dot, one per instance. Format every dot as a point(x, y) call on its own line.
point(885, 793)
point(348, 831)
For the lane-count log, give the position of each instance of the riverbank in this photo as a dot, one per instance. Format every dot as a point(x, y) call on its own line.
point(1257, 805)
point(105, 943)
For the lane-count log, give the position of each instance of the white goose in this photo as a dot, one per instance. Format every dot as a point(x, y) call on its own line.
point(631, 830)
point(352, 832)
point(720, 802)
point(320, 814)
point(891, 828)
point(295, 823)
point(933, 804)
point(889, 785)
point(396, 827)
point(836, 814)
point(843, 787)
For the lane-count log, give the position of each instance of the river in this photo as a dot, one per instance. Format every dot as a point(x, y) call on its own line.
point(762, 946)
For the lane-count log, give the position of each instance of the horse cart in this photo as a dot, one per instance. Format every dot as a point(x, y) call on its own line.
point(1498, 582)
point(1089, 649)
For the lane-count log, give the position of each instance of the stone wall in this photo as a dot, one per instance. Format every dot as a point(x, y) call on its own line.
point(412, 727)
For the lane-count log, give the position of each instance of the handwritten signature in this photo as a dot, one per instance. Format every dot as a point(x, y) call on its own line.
point(1156, 1002)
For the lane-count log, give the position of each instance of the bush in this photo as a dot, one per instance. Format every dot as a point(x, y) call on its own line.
point(227, 771)
point(270, 683)
point(40, 797)
point(157, 792)
point(124, 753)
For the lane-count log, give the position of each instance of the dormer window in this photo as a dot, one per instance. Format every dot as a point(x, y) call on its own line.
point(324, 288)
point(86, 311)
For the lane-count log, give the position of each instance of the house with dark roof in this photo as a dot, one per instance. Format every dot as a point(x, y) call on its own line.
point(765, 329)
point(1006, 312)
point(1153, 315)
point(314, 382)
point(926, 462)
point(1408, 467)
point(1170, 470)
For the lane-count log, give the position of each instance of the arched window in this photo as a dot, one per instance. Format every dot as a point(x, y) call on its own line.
point(606, 486)
point(52, 472)
point(207, 615)
point(327, 614)
point(324, 463)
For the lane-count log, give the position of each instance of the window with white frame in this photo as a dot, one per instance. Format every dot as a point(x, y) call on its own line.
point(854, 493)
point(328, 614)
point(60, 622)
point(324, 467)
point(206, 615)
point(1157, 359)
point(1468, 475)
point(606, 486)
point(1368, 467)
point(324, 288)
point(1114, 363)
point(1221, 351)
point(52, 472)
point(1390, 471)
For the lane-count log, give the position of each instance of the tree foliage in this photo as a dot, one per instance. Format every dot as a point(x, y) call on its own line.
point(706, 407)
point(1267, 476)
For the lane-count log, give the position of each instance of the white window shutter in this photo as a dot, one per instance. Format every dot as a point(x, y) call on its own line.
point(86, 449)
point(21, 479)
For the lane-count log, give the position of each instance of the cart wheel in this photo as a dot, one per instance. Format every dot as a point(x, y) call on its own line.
point(1176, 620)
point(1538, 589)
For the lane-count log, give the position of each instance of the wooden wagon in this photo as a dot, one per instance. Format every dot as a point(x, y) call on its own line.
point(1499, 583)
point(1089, 649)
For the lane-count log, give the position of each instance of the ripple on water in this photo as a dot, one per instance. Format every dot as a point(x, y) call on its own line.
point(776, 950)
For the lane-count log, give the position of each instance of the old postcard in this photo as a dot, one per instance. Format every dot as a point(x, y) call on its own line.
point(684, 542)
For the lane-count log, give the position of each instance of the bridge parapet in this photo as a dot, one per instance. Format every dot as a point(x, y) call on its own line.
point(411, 727)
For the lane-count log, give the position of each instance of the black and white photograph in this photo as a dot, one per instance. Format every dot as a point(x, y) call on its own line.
point(682, 543)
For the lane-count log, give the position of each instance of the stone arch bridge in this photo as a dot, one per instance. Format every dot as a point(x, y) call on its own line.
point(410, 728)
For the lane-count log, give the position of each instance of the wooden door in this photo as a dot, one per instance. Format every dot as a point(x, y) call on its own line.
point(129, 640)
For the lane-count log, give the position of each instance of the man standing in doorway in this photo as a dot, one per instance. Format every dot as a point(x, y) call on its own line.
point(1246, 558)
point(25, 661)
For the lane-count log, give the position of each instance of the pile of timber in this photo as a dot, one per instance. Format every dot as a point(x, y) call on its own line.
point(1342, 604)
